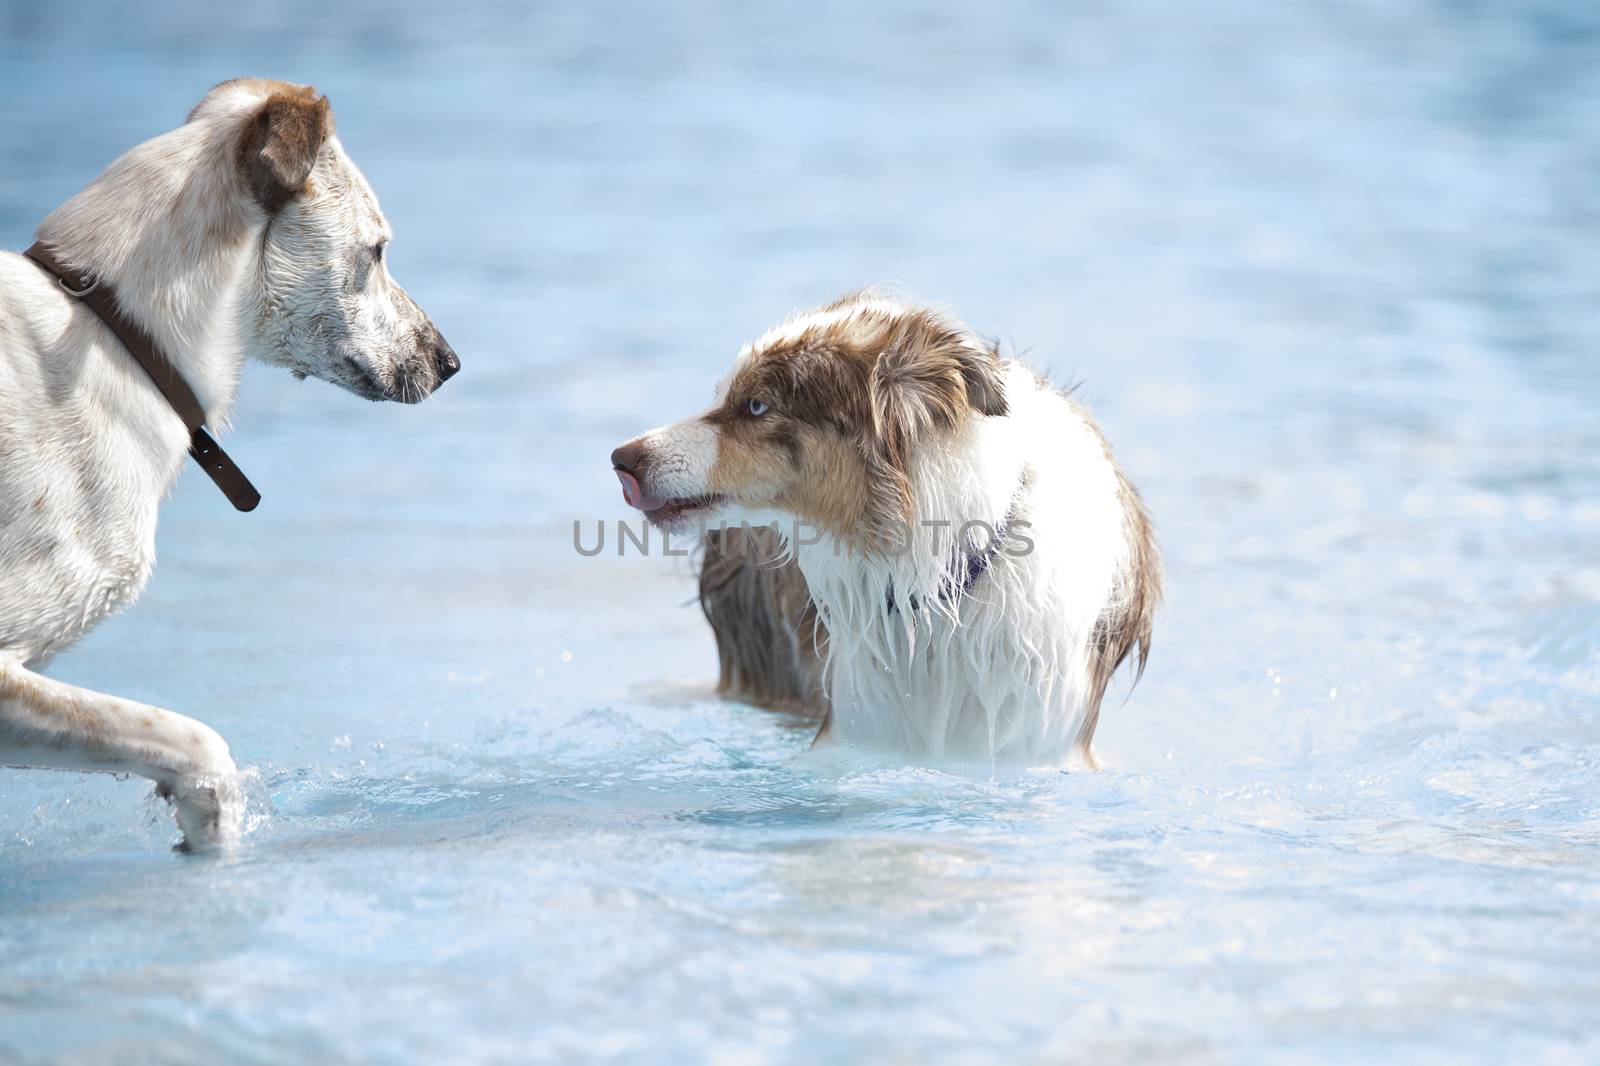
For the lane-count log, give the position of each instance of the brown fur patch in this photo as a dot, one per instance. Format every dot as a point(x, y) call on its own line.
point(833, 490)
point(280, 143)
point(752, 461)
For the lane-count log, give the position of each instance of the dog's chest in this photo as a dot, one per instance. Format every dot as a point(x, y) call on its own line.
point(68, 571)
point(77, 532)
point(977, 691)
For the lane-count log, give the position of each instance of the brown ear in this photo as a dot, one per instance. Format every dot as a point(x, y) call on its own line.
point(281, 143)
point(932, 370)
point(930, 374)
point(985, 378)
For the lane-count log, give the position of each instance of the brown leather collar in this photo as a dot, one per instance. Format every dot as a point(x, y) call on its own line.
point(103, 301)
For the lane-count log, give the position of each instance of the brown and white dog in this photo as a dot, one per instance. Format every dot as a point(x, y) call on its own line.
point(909, 534)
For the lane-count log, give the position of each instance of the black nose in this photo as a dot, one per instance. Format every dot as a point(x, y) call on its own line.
point(627, 457)
point(444, 359)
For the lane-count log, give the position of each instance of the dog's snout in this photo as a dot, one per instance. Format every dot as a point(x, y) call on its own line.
point(628, 462)
point(444, 358)
point(628, 458)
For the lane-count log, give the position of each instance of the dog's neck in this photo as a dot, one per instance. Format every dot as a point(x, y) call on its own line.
point(169, 227)
point(964, 493)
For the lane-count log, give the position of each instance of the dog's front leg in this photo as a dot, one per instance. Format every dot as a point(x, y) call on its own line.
point(47, 723)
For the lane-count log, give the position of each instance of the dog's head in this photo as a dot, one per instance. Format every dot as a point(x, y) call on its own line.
point(326, 306)
point(818, 421)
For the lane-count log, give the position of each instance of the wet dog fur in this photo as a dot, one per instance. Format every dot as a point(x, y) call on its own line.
point(833, 477)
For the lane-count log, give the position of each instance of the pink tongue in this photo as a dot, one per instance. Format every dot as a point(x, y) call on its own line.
point(633, 494)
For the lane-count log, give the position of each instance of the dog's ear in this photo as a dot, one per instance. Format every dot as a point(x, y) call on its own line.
point(930, 375)
point(984, 377)
point(931, 371)
point(280, 145)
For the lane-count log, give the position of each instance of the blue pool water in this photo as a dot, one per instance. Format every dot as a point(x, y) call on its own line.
point(1331, 279)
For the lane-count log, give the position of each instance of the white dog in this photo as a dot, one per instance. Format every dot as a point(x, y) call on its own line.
point(975, 564)
point(247, 231)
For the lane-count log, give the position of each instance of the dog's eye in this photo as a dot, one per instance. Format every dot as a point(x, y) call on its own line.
point(756, 407)
point(377, 251)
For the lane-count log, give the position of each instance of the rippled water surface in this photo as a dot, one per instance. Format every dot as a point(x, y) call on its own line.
point(1330, 278)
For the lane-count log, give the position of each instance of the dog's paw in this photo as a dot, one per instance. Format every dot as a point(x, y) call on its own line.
point(209, 813)
point(209, 808)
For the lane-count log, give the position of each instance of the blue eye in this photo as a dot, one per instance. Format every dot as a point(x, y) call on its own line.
point(757, 408)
